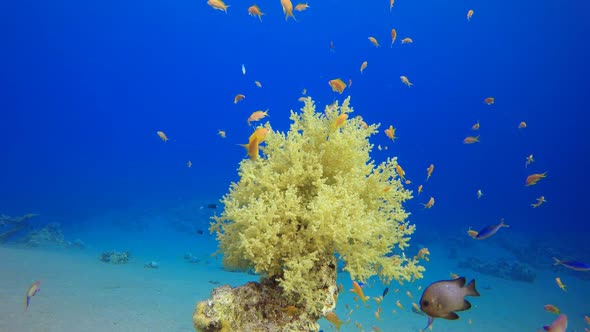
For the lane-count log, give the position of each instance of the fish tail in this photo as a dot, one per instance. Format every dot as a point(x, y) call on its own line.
point(471, 288)
point(556, 261)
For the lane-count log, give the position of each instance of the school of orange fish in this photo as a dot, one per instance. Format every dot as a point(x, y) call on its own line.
point(338, 86)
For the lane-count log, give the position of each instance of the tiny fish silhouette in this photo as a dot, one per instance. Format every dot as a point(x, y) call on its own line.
point(443, 298)
point(34, 289)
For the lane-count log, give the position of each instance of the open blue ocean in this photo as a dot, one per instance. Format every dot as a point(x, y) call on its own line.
point(122, 123)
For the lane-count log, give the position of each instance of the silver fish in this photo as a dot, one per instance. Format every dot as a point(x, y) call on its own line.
point(443, 298)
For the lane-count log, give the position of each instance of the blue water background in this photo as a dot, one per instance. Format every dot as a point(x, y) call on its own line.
point(84, 86)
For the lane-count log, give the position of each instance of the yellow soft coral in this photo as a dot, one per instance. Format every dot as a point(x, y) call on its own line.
point(314, 193)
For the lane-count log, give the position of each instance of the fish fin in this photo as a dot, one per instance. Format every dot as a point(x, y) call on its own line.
point(459, 281)
point(471, 289)
point(451, 316)
point(430, 320)
point(466, 305)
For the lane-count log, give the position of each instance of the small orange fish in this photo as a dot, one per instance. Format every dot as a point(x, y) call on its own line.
point(489, 100)
point(407, 40)
point(529, 160)
point(238, 98)
point(162, 136)
point(221, 133)
point(539, 202)
point(475, 126)
point(409, 295)
point(254, 10)
point(393, 36)
point(534, 178)
point(339, 122)
point(378, 313)
point(32, 291)
point(374, 41)
point(218, 4)
point(290, 310)
point(416, 308)
point(257, 116)
point(472, 233)
point(422, 254)
point(260, 134)
point(400, 171)
point(454, 275)
point(301, 7)
point(252, 148)
point(337, 85)
point(189, 164)
point(399, 305)
point(560, 284)
point(406, 81)
point(359, 291)
point(522, 125)
point(419, 189)
point(390, 132)
point(587, 320)
point(552, 309)
point(391, 4)
point(333, 318)
point(429, 171)
point(429, 204)
point(363, 66)
point(287, 9)
point(471, 139)
point(469, 14)
point(378, 299)
point(258, 84)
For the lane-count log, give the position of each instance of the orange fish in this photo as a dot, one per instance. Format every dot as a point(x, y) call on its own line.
point(539, 202)
point(32, 291)
point(378, 313)
point(409, 295)
point(257, 116)
point(522, 125)
point(472, 233)
point(287, 9)
point(587, 320)
point(390, 132)
point(391, 4)
point(454, 275)
point(405, 81)
point(429, 204)
point(301, 7)
point(339, 122)
point(337, 85)
point(400, 171)
point(469, 14)
point(399, 305)
point(475, 126)
point(552, 309)
point(393, 36)
point(238, 98)
point(252, 147)
point(422, 254)
point(162, 136)
point(374, 41)
point(419, 189)
point(407, 40)
point(260, 134)
point(363, 66)
point(560, 284)
point(258, 84)
point(221, 133)
point(489, 100)
point(218, 4)
point(429, 171)
point(534, 178)
point(471, 139)
point(333, 318)
point(359, 291)
point(254, 10)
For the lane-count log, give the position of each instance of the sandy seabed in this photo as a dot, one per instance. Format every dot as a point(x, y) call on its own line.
point(80, 293)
